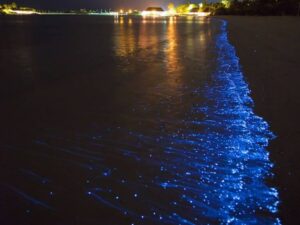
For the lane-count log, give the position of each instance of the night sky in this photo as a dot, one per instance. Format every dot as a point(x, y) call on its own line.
point(93, 4)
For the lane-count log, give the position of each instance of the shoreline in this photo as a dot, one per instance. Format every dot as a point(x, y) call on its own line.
point(269, 52)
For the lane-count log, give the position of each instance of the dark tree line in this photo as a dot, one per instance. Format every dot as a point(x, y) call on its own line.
point(258, 7)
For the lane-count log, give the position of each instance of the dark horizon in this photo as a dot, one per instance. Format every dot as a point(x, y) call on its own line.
point(94, 4)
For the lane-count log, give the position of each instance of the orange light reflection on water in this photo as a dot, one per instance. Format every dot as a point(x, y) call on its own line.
point(164, 47)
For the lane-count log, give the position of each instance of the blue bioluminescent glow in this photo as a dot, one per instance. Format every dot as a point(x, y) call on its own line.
point(212, 171)
point(32, 200)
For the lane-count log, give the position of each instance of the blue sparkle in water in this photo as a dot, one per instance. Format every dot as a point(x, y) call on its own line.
point(216, 174)
point(212, 170)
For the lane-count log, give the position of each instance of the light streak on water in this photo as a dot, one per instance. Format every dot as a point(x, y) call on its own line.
point(29, 198)
point(212, 171)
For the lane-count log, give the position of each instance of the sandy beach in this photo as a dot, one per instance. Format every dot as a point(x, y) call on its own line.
point(269, 51)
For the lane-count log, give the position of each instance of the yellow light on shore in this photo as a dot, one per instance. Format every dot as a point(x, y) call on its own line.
point(171, 9)
point(191, 6)
point(19, 12)
point(130, 11)
point(203, 14)
point(226, 3)
point(121, 11)
point(154, 13)
point(172, 12)
point(7, 11)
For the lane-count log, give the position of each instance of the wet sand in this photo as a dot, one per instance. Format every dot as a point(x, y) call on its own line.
point(269, 51)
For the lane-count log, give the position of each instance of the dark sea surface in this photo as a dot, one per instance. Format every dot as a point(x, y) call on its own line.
point(128, 121)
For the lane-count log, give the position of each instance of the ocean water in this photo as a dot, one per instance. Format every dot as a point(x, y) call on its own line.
point(129, 121)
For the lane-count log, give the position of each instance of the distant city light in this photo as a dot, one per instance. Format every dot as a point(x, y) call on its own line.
point(181, 10)
point(191, 6)
point(226, 3)
point(19, 12)
point(154, 12)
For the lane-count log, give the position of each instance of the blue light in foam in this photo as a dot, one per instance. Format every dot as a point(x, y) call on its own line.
point(215, 172)
point(211, 171)
point(29, 198)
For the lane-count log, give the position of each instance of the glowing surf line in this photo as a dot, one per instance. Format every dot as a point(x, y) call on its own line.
point(218, 173)
point(213, 171)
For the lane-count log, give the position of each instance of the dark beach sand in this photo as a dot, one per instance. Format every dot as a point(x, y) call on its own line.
point(269, 51)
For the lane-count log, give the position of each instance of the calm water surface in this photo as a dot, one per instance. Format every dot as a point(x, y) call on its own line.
point(128, 121)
